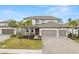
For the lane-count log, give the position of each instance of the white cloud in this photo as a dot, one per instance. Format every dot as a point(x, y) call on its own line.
point(63, 12)
point(59, 10)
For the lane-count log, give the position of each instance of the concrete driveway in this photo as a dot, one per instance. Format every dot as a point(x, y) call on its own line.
point(4, 37)
point(60, 45)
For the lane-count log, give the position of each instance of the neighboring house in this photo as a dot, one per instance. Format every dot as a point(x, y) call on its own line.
point(5, 29)
point(77, 30)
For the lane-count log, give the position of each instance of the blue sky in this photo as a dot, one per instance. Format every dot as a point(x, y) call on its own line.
point(18, 12)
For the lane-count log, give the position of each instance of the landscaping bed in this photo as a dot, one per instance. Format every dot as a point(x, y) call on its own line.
point(74, 37)
point(16, 43)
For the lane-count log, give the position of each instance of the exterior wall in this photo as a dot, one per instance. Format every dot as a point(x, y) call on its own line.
point(76, 31)
point(51, 21)
point(44, 21)
point(40, 33)
point(34, 30)
point(15, 30)
point(33, 22)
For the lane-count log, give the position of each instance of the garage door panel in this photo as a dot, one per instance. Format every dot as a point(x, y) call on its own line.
point(7, 31)
point(49, 33)
point(62, 33)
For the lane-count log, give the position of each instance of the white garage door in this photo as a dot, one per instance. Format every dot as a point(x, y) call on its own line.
point(62, 33)
point(7, 31)
point(49, 33)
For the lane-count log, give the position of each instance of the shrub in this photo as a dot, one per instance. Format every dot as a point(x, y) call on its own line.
point(26, 36)
point(73, 36)
point(13, 35)
point(70, 35)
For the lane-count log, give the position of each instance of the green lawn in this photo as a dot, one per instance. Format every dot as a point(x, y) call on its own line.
point(15, 43)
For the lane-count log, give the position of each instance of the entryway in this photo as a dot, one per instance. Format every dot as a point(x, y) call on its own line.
point(36, 31)
point(78, 32)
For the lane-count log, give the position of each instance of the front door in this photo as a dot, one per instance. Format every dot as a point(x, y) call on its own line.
point(78, 32)
point(37, 31)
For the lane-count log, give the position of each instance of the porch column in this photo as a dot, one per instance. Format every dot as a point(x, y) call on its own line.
point(67, 32)
point(15, 31)
point(57, 32)
point(29, 31)
point(34, 31)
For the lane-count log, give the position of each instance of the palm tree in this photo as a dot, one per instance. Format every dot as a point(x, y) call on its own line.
point(19, 33)
point(69, 19)
point(12, 23)
point(72, 23)
point(27, 23)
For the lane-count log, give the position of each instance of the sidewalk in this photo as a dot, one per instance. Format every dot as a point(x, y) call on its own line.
point(20, 51)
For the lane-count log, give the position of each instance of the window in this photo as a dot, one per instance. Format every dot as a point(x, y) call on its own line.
point(43, 21)
point(59, 21)
point(37, 21)
point(26, 30)
point(31, 30)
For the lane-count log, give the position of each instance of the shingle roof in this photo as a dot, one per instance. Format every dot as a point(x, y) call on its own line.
point(50, 25)
point(43, 17)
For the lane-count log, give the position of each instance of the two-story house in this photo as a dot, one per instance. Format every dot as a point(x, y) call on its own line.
point(40, 20)
point(5, 29)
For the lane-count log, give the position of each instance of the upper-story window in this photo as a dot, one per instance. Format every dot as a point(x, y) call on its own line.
point(37, 21)
point(59, 21)
point(43, 21)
